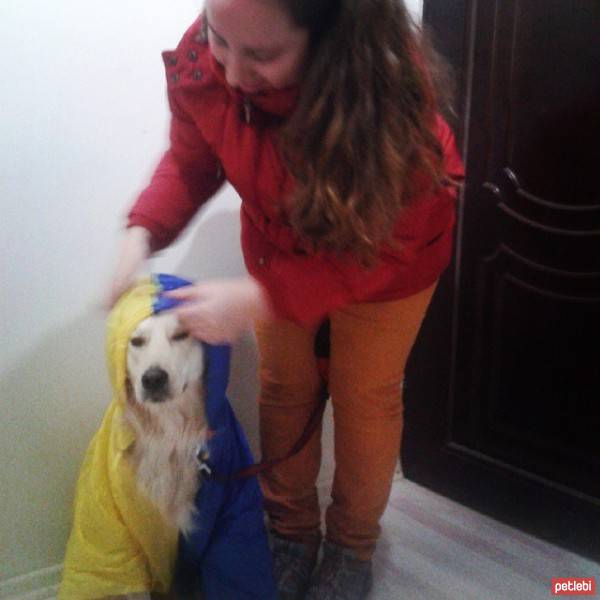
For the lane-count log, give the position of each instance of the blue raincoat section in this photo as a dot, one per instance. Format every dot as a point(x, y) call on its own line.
point(227, 554)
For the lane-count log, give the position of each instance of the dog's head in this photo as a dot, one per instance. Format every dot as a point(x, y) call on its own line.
point(163, 361)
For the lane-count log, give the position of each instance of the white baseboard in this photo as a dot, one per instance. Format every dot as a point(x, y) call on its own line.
point(38, 585)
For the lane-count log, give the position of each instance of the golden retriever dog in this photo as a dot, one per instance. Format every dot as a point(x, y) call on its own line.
point(165, 409)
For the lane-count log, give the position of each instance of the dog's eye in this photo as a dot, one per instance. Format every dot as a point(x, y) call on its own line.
point(138, 341)
point(182, 335)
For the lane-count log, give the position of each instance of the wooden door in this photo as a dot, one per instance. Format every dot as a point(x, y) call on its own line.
point(503, 388)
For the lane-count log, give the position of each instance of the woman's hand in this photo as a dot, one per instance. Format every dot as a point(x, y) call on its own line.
point(133, 252)
point(219, 311)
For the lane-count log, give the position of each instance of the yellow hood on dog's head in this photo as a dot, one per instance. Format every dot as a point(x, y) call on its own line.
point(132, 308)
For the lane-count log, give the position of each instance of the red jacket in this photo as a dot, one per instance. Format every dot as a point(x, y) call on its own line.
point(216, 135)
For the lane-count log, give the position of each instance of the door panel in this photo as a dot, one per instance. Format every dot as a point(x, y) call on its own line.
point(503, 387)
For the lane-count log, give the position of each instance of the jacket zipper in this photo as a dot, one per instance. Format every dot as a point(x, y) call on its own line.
point(247, 110)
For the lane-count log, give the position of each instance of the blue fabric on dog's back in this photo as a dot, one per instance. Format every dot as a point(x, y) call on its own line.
point(227, 553)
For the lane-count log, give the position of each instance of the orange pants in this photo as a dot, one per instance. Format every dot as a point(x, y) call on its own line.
point(370, 344)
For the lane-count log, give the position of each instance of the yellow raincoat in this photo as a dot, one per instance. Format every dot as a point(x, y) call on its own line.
point(119, 543)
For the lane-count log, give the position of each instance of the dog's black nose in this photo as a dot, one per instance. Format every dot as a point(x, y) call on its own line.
point(155, 379)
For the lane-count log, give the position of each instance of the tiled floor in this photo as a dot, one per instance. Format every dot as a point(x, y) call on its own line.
point(434, 549)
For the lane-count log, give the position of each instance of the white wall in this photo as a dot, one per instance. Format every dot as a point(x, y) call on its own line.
point(83, 121)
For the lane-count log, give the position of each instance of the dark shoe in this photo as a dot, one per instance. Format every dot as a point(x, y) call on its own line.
point(293, 564)
point(341, 576)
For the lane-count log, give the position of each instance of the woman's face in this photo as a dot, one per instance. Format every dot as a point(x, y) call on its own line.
point(256, 43)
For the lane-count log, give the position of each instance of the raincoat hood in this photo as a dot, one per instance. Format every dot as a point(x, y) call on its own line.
point(119, 543)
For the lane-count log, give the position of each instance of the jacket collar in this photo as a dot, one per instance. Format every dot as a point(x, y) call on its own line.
point(264, 108)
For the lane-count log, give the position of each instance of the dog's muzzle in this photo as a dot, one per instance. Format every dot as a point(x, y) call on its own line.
point(155, 382)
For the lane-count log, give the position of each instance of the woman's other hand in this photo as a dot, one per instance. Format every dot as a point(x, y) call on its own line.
point(133, 252)
point(219, 311)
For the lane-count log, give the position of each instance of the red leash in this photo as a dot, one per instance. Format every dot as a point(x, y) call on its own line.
point(322, 355)
point(311, 426)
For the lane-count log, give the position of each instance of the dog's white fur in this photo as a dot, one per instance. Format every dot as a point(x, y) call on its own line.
point(168, 420)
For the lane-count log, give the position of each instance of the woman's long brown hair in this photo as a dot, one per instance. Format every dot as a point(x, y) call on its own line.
point(360, 139)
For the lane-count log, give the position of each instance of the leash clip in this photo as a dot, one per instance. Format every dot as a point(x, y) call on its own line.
point(202, 459)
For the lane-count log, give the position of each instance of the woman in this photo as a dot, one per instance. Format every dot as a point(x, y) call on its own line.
point(322, 115)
